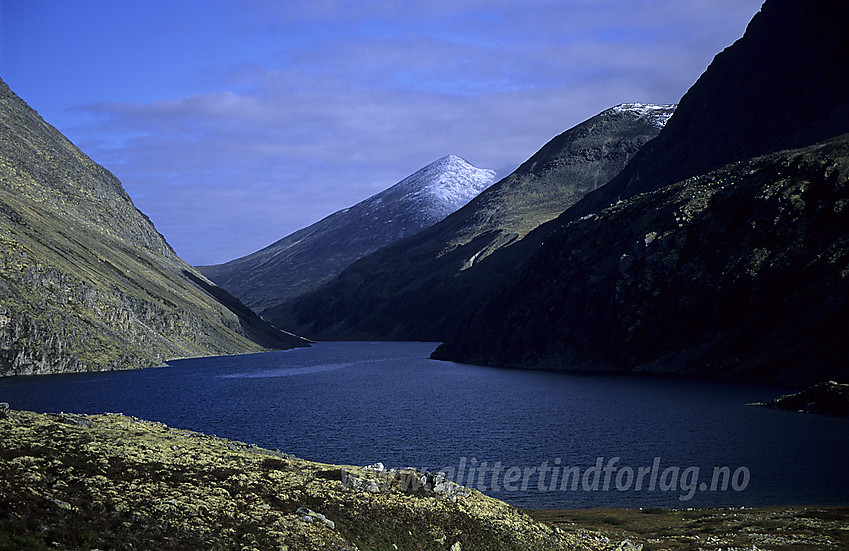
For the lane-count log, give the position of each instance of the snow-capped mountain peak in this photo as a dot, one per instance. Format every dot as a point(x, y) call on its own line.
point(439, 188)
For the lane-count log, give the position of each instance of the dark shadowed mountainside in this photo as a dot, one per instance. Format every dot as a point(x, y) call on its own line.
point(741, 272)
point(782, 86)
point(415, 288)
point(309, 257)
point(86, 281)
point(726, 254)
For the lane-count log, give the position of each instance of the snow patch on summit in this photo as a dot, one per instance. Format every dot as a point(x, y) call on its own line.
point(451, 182)
point(657, 114)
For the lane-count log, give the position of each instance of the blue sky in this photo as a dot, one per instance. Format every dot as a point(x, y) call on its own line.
point(234, 123)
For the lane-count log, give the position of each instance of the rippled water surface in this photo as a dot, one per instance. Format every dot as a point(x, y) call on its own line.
point(360, 403)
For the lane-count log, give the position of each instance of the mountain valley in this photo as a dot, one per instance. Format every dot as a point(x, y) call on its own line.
point(414, 289)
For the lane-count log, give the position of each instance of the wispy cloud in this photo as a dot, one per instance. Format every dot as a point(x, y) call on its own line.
point(350, 97)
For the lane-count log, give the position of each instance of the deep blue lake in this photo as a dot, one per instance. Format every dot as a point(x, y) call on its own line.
point(534, 439)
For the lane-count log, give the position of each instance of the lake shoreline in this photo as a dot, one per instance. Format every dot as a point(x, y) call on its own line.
point(110, 481)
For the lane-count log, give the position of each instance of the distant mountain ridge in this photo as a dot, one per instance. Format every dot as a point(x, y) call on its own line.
point(86, 281)
point(313, 255)
point(416, 288)
point(572, 164)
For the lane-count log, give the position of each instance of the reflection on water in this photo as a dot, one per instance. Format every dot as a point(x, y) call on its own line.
point(285, 371)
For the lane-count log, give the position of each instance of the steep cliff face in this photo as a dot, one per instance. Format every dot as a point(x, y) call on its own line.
point(86, 281)
point(417, 287)
point(311, 256)
point(717, 251)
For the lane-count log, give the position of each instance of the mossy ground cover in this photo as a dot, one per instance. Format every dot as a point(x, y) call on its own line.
point(116, 482)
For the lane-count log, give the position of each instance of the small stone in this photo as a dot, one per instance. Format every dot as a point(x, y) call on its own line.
point(457, 547)
point(651, 236)
point(628, 545)
point(307, 515)
point(626, 262)
point(373, 487)
point(4, 410)
point(61, 504)
point(72, 419)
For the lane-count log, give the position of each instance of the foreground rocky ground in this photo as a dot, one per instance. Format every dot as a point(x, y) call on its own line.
point(116, 482)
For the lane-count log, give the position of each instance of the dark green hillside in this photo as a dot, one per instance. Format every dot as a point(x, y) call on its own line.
point(781, 86)
point(86, 281)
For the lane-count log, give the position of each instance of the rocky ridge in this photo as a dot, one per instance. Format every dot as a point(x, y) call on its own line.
point(578, 161)
point(758, 96)
point(721, 249)
point(828, 398)
point(737, 273)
